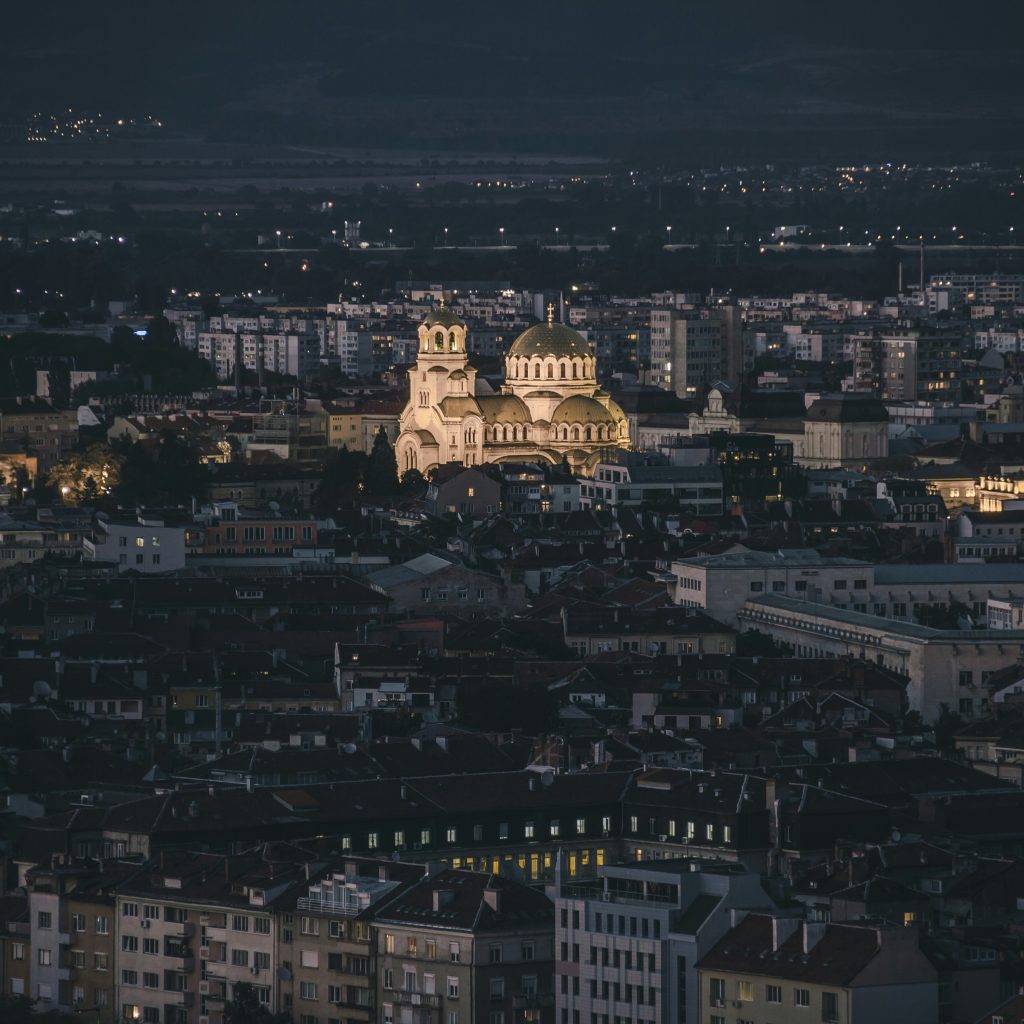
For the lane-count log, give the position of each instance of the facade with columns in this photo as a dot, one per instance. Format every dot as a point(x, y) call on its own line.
point(549, 408)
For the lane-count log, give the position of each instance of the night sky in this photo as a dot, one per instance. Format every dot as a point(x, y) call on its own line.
point(592, 76)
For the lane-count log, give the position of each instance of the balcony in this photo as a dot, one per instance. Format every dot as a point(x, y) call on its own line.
point(428, 999)
point(533, 1000)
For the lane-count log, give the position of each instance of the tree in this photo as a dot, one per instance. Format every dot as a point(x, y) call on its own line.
point(87, 476)
point(245, 1008)
point(22, 1010)
point(942, 616)
point(382, 467)
point(59, 383)
point(413, 484)
point(169, 475)
point(946, 727)
point(339, 484)
point(754, 643)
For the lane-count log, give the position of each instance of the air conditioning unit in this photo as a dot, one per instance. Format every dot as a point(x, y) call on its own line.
point(204, 988)
point(606, 833)
point(606, 896)
point(662, 839)
point(718, 1004)
point(204, 1020)
point(417, 846)
point(254, 970)
point(144, 923)
point(204, 952)
point(204, 918)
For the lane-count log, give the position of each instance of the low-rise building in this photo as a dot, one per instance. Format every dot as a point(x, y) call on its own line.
point(772, 968)
point(946, 667)
point(146, 544)
point(479, 947)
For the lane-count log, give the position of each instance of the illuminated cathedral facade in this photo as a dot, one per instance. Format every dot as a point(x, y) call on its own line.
point(550, 407)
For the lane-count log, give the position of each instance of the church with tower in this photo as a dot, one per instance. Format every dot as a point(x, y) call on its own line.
point(550, 407)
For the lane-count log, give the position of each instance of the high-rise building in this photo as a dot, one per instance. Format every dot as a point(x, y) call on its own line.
point(630, 939)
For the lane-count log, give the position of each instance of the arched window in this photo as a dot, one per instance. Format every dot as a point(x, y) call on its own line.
point(551, 371)
point(575, 433)
point(600, 433)
point(588, 434)
point(565, 433)
point(525, 434)
point(536, 370)
point(561, 370)
point(575, 369)
point(453, 342)
point(439, 341)
point(504, 433)
point(515, 433)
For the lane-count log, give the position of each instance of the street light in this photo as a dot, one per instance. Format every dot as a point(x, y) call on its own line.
point(446, 237)
point(558, 229)
point(391, 238)
point(668, 228)
point(501, 236)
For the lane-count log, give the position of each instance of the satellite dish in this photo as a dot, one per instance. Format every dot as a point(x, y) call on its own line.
point(896, 835)
point(349, 748)
point(547, 778)
point(396, 856)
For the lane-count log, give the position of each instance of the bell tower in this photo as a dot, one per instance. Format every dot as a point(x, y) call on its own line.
point(442, 362)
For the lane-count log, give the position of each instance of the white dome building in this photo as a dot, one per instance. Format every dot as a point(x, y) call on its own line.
point(549, 408)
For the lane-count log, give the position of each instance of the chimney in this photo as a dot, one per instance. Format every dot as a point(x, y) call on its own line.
point(814, 932)
point(782, 929)
point(492, 897)
point(382, 872)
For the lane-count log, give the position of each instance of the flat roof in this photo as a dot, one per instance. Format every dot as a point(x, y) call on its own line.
point(908, 629)
point(783, 559)
point(956, 572)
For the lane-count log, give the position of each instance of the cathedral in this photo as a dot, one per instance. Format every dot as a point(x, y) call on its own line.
point(550, 407)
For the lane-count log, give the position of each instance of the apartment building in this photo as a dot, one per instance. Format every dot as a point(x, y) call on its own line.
point(332, 960)
point(71, 934)
point(34, 424)
point(774, 969)
point(289, 353)
point(145, 544)
point(16, 945)
point(697, 355)
point(630, 938)
point(464, 947)
point(193, 926)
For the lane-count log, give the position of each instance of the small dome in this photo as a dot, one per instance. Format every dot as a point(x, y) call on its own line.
point(580, 409)
point(443, 317)
point(503, 409)
point(550, 339)
point(458, 375)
